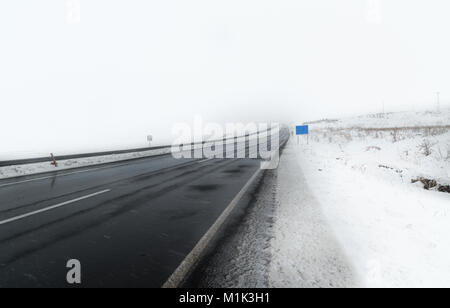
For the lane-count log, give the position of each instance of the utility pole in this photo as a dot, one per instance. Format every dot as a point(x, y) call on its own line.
point(438, 96)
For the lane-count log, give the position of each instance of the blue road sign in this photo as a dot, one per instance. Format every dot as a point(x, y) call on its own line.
point(302, 130)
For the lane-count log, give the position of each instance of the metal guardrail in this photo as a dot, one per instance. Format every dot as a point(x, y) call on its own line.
point(74, 156)
point(97, 154)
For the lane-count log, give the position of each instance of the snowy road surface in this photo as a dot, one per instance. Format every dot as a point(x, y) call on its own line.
point(305, 250)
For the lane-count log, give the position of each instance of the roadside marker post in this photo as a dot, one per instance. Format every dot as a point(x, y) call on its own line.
point(54, 163)
point(149, 140)
point(302, 130)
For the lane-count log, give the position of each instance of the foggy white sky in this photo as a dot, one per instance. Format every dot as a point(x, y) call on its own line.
point(134, 67)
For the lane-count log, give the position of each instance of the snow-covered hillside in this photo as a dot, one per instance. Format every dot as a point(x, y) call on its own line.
point(349, 214)
point(393, 119)
point(401, 146)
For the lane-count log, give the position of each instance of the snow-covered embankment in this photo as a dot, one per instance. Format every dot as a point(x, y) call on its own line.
point(348, 209)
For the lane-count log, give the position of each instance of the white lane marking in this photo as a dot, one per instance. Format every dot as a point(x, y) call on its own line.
point(3, 222)
point(205, 160)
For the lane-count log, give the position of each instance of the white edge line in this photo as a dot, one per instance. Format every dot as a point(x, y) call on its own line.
point(3, 222)
point(193, 257)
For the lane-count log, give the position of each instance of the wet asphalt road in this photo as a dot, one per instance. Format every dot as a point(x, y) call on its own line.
point(130, 224)
point(136, 234)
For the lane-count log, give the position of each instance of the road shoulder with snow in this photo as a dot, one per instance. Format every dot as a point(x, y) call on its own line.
point(342, 211)
point(305, 252)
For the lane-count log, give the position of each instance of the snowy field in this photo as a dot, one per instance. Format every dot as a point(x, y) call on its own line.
point(380, 120)
point(348, 212)
point(397, 146)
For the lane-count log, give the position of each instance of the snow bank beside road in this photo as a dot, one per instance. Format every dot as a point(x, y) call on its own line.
point(305, 252)
point(394, 234)
point(29, 169)
point(401, 153)
point(348, 212)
